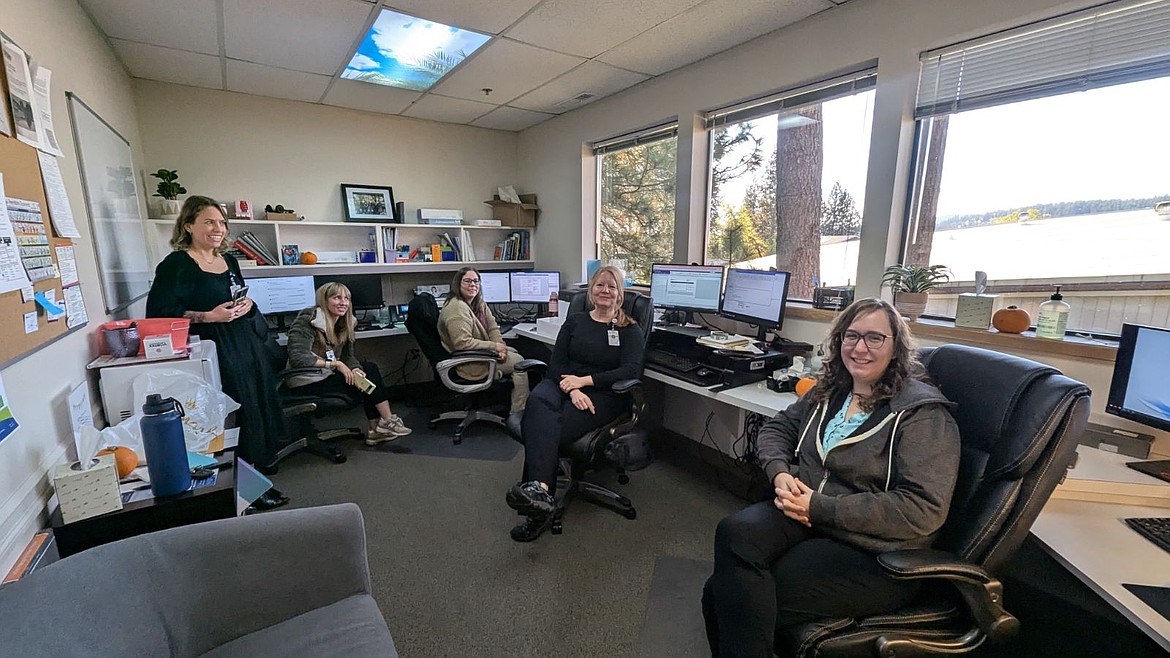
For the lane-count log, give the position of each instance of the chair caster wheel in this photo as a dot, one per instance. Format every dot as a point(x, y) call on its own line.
point(630, 514)
point(336, 456)
point(457, 440)
point(557, 528)
point(623, 479)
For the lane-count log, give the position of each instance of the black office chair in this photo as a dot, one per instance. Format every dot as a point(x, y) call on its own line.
point(1019, 423)
point(301, 408)
point(588, 452)
point(479, 396)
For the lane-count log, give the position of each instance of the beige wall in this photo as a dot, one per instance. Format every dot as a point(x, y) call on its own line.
point(554, 160)
point(59, 35)
point(235, 146)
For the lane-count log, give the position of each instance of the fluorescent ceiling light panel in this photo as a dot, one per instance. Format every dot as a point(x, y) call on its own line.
point(410, 53)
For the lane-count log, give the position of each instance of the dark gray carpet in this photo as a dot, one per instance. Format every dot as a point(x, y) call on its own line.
point(673, 625)
point(481, 440)
point(451, 582)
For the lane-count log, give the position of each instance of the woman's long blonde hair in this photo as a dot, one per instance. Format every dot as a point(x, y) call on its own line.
point(621, 319)
point(340, 332)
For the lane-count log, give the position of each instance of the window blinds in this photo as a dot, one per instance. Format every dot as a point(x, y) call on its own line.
point(790, 99)
point(1102, 46)
point(645, 136)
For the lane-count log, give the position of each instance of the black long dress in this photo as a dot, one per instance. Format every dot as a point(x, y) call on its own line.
point(180, 285)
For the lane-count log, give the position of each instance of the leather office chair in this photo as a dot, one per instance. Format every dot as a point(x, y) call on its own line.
point(422, 321)
point(1019, 423)
point(301, 408)
point(587, 452)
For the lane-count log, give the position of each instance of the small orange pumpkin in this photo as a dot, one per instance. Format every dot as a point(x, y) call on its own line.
point(125, 459)
point(804, 385)
point(308, 258)
point(1011, 320)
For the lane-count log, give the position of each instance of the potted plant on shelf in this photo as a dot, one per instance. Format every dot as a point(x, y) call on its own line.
point(911, 286)
point(169, 189)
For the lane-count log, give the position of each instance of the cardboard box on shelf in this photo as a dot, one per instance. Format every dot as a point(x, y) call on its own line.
point(521, 214)
point(281, 216)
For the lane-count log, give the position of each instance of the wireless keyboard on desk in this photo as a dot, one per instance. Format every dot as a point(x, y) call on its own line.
point(1156, 529)
point(671, 360)
point(681, 367)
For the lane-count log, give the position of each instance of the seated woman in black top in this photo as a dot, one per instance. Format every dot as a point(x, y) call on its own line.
point(197, 281)
point(322, 337)
point(593, 351)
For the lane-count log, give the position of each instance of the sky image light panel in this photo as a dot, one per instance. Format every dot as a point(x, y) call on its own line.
point(410, 53)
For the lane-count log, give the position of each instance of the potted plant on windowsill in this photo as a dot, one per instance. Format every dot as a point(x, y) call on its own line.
point(169, 189)
point(911, 286)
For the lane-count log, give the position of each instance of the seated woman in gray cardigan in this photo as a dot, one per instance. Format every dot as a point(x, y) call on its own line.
point(322, 337)
point(465, 323)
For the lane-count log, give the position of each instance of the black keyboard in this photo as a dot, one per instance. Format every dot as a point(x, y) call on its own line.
point(671, 360)
point(1156, 529)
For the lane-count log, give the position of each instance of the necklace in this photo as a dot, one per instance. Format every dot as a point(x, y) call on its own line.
point(206, 259)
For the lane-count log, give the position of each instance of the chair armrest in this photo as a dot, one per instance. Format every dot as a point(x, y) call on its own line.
point(530, 364)
point(463, 357)
point(626, 385)
point(981, 591)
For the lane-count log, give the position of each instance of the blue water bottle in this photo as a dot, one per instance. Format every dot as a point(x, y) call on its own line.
point(165, 448)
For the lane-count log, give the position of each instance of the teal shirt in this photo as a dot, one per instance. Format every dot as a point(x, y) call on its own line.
point(840, 427)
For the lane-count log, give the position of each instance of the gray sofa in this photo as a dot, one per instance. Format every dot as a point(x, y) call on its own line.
point(285, 583)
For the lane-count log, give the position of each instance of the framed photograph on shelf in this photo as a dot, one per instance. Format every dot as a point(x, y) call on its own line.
point(367, 203)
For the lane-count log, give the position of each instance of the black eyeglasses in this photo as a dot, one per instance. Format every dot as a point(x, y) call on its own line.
point(873, 340)
point(471, 282)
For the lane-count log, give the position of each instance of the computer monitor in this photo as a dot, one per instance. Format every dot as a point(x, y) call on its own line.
point(534, 287)
point(496, 287)
point(1139, 390)
point(282, 294)
point(756, 297)
point(365, 290)
point(686, 287)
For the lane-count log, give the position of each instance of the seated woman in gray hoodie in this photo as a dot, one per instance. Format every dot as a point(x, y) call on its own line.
point(322, 337)
point(864, 463)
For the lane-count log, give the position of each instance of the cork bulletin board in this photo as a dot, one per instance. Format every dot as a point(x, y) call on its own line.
point(22, 180)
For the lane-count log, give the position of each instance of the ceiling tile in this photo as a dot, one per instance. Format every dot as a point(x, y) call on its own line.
point(261, 80)
point(510, 118)
point(490, 17)
point(167, 65)
point(705, 30)
point(304, 35)
point(591, 77)
point(591, 28)
point(508, 68)
point(443, 108)
point(181, 24)
point(369, 97)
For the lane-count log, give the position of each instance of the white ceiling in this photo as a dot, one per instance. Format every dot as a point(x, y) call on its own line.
point(547, 57)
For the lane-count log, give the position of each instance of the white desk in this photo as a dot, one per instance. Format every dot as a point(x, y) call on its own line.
point(1091, 541)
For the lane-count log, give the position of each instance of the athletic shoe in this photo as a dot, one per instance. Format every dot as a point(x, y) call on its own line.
point(531, 499)
point(386, 430)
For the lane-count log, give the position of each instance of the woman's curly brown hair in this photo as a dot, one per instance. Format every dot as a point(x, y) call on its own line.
point(903, 367)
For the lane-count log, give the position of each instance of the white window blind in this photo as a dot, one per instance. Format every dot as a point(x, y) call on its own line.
point(790, 99)
point(1106, 45)
point(645, 136)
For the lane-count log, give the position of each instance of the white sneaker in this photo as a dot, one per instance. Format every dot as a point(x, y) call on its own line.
point(399, 427)
point(386, 430)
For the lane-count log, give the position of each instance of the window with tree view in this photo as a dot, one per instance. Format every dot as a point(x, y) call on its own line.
point(787, 186)
point(636, 202)
point(1043, 184)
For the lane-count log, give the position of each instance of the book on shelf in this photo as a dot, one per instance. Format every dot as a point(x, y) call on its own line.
point(248, 252)
point(258, 247)
point(446, 238)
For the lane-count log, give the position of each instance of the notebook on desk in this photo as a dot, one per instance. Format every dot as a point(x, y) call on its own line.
point(1158, 468)
point(1157, 598)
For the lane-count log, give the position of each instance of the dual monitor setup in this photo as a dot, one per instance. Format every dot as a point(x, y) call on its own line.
point(752, 296)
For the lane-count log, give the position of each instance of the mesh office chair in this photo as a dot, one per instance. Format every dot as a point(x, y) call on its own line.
point(588, 451)
point(1019, 423)
point(477, 396)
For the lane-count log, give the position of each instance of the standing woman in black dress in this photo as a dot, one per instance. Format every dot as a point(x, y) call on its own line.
point(197, 281)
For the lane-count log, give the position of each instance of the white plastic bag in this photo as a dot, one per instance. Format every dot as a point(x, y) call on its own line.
point(205, 409)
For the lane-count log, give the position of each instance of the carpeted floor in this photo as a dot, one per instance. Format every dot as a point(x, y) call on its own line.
point(451, 582)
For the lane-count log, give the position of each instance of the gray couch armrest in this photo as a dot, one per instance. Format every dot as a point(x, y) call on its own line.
point(187, 590)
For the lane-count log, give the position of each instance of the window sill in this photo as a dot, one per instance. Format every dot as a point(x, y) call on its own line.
point(942, 330)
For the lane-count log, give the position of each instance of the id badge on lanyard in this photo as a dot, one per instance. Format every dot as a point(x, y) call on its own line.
point(614, 340)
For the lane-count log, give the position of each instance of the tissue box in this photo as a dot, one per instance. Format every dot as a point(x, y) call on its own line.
point(975, 311)
point(82, 494)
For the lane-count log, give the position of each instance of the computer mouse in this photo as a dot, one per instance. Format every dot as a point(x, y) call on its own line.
point(703, 372)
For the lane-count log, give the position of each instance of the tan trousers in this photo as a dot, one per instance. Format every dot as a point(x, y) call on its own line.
point(519, 379)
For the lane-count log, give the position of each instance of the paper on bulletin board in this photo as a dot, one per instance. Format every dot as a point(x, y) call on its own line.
point(30, 322)
point(59, 209)
point(8, 423)
point(74, 307)
point(20, 95)
point(12, 274)
point(68, 265)
point(41, 80)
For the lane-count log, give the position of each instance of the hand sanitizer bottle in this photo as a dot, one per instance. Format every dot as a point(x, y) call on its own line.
point(1053, 317)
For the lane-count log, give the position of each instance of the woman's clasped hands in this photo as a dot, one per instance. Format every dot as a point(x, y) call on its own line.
point(572, 384)
point(792, 497)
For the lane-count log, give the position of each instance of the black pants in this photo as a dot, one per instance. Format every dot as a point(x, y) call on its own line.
point(335, 385)
point(771, 571)
point(550, 421)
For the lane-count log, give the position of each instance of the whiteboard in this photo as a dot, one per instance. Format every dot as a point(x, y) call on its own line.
point(111, 198)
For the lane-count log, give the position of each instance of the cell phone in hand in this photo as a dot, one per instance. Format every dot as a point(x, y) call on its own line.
point(238, 294)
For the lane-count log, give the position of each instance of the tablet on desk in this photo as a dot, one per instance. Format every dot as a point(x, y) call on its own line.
point(1158, 468)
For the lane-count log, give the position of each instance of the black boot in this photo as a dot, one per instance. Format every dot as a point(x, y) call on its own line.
point(532, 528)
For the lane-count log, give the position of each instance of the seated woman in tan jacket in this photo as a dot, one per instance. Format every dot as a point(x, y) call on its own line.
point(465, 323)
